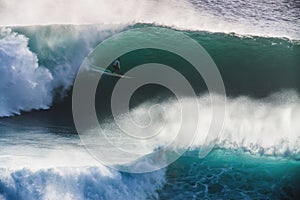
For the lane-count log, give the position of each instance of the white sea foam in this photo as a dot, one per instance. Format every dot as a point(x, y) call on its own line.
point(264, 127)
point(23, 85)
point(78, 183)
point(58, 167)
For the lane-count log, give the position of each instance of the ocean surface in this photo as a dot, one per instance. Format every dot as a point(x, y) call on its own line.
point(256, 47)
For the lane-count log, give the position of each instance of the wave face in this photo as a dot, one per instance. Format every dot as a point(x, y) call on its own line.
point(277, 19)
point(40, 62)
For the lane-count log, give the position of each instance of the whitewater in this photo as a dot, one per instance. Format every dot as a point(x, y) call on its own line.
point(56, 165)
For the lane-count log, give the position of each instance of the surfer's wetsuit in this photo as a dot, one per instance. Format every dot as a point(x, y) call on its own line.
point(117, 66)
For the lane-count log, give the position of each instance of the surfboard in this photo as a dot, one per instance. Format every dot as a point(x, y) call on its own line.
point(101, 70)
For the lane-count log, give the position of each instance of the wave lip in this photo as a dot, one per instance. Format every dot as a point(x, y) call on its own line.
point(212, 16)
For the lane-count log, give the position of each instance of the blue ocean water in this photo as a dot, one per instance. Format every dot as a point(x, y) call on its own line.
point(256, 48)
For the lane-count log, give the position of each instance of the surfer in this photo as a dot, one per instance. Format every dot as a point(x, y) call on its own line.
point(117, 66)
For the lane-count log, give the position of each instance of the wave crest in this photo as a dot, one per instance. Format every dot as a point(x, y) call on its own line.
point(266, 127)
point(23, 84)
point(256, 18)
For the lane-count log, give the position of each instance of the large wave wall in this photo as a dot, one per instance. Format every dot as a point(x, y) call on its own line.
point(39, 63)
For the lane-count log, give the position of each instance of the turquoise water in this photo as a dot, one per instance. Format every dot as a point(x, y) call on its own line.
point(36, 156)
point(233, 175)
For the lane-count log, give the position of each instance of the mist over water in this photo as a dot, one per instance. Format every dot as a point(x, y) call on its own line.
point(262, 18)
point(267, 127)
